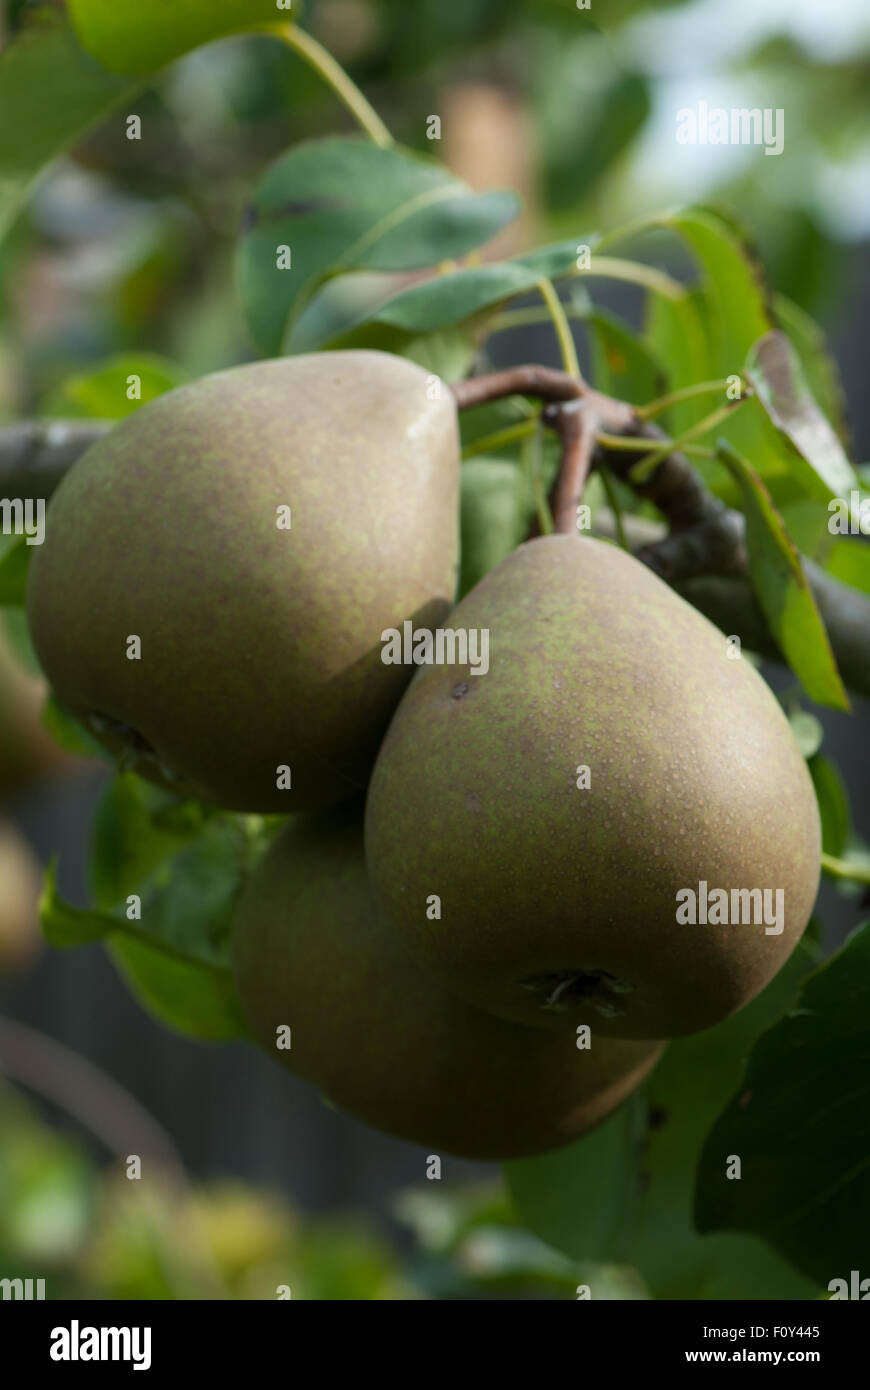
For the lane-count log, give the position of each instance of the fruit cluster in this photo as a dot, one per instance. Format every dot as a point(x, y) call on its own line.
point(468, 930)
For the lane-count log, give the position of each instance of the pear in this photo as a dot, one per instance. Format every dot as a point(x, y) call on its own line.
point(382, 1039)
point(548, 835)
point(257, 531)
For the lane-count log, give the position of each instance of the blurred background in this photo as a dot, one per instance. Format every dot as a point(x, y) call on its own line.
point(126, 248)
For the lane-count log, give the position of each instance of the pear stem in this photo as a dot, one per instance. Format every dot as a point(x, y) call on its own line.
point(576, 424)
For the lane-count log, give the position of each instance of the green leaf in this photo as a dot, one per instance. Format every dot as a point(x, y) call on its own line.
point(774, 369)
point(675, 336)
point(176, 958)
point(782, 589)
point(732, 299)
point(51, 92)
point(14, 565)
point(458, 296)
point(818, 362)
point(190, 998)
point(102, 392)
point(449, 299)
point(496, 509)
point(807, 524)
point(66, 926)
point(623, 365)
point(833, 802)
point(342, 205)
point(480, 421)
point(131, 835)
point(733, 288)
point(800, 1122)
point(604, 124)
point(849, 561)
point(587, 107)
point(66, 730)
point(579, 1199)
point(141, 37)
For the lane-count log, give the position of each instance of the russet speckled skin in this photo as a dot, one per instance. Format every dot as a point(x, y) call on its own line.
point(382, 1038)
point(558, 905)
point(260, 647)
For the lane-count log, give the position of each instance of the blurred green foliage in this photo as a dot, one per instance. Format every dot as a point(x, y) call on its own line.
point(81, 1224)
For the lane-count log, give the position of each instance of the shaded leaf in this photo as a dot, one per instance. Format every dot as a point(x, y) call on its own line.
point(800, 1122)
point(833, 803)
point(580, 1199)
point(14, 566)
point(51, 92)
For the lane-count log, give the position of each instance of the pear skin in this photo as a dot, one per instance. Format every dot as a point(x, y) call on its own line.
point(257, 531)
point(535, 833)
point(380, 1037)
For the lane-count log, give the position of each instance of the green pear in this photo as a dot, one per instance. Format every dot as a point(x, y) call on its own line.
point(257, 531)
point(385, 1041)
point(538, 834)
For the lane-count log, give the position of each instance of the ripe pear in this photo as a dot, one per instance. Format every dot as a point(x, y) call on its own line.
point(529, 830)
point(257, 530)
point(20, 884)
point(385, 1041)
